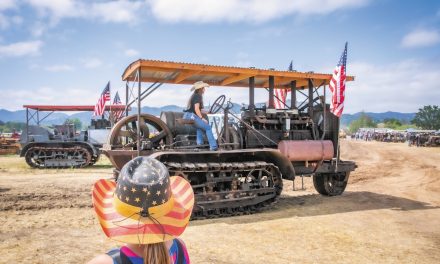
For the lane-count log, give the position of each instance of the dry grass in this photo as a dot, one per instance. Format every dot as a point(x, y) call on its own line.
point(389, 214)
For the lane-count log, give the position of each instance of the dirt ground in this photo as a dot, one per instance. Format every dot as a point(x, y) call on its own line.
point(390, 213)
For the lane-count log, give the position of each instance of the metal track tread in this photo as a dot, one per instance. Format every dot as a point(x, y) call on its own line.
point(50, 157)
point(225, 189)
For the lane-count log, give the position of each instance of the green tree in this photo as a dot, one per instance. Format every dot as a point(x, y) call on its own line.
point(9, 127)
point(392, 123)
point(428, 117)
point(363, 121)
point(75, 121)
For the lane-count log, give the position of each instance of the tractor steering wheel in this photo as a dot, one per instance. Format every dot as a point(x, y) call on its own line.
point(218, 104)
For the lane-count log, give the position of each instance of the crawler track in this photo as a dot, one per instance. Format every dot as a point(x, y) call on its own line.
point(229, 188)
point(53, 157)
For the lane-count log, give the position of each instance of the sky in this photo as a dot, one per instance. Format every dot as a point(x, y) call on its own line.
point(65, 51)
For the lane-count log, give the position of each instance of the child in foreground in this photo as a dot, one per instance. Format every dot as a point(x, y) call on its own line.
point(147, 210)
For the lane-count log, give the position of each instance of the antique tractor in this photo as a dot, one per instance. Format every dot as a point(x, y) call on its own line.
point(9, 143)
point(259, 147)
point(63, 146)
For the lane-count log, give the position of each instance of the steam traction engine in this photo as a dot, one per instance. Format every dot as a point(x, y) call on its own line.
point(259, 147)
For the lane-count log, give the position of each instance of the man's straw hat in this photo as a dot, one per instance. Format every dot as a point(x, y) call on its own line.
point(199, 85)
point(145, 206)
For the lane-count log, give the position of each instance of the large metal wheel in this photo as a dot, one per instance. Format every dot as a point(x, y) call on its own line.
point(152, 131)
point(81, 154)
point(330, 184)
point(33, 157)
point(267, 177)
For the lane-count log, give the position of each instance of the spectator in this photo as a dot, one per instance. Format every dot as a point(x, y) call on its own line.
point(147, 210)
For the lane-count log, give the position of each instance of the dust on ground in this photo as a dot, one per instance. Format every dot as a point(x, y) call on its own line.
point(390, 213)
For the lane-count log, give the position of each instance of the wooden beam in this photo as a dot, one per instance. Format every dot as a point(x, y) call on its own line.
point(279, 81)
point(235, 78)
point(184, 75)
point(278, 85)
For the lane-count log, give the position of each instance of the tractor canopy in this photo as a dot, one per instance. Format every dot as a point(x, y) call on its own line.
point(156, 71)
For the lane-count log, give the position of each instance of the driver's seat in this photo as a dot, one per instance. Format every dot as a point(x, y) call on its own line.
point(182, 121)
point(177, 124)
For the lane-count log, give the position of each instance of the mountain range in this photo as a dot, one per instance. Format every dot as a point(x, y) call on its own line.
point(85, 117)
point(378, 117)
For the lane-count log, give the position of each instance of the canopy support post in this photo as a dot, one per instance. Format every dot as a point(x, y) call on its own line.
point(126, 99)
point(27, 125)
point(324, 112)
point(252, 96)
point(271, 92)
point(292, 94)
point(138, 127)
point(310, 98)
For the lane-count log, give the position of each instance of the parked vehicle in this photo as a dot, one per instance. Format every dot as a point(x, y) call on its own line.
point(9, 143)
point(63, 146)
point(258, 150)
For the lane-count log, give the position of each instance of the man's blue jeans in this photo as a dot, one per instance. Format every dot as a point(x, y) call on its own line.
point(202, 126)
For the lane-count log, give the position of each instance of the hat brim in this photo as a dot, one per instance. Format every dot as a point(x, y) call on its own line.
point(199, 87)
point(143, 230)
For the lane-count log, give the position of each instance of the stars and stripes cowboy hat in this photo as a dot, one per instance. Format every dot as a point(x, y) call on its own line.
point(145, 205)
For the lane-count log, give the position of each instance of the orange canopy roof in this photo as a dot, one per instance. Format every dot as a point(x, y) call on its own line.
point(188, 73)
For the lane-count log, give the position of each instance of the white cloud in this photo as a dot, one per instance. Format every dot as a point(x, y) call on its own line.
point(59, 68)
point(7, 4)
point(244, 10)
point(6, 21)
point(403, 87)
point(57, 9)
point(420, 38)
point(131, 52)
point(17, 20)
point(119, 11)
point(13, 99)
point(20, 49)
point(92, 63)
point(38, 29)
point(116, 11)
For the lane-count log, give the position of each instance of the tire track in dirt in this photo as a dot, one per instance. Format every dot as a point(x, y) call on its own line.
point(79, 198)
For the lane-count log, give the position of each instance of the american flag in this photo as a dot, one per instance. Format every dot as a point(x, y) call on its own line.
point(280, 98)
point(337, 85)
point(105, 97)
point(281, 94)
point(117, 114)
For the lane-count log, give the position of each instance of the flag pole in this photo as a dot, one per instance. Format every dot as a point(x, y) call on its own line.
point(110, 114)
point(324, 111)
point(340, 75)
point(138, 137)
point(337, 145)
